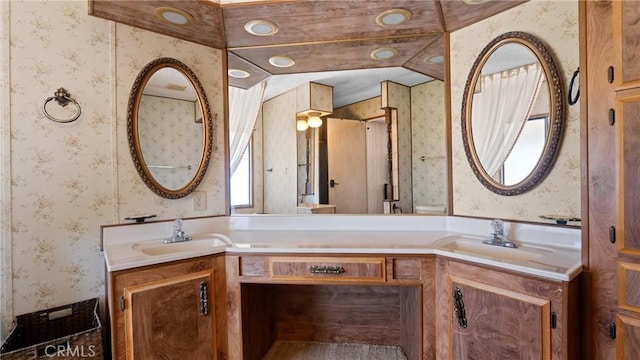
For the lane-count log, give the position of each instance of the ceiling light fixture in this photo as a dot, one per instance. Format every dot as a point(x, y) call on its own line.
point(393, 17)
point(238, 74)
point(174, 16)
point(281, 61)
point(436, 59)
point(261, 27)
point(384, 53)
point(314, 119)
point(474, 2)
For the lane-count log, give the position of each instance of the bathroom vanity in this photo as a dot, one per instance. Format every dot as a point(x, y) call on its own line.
point(426, 285)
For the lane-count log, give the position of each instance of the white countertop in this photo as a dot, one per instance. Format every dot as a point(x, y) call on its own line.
point(555, 251)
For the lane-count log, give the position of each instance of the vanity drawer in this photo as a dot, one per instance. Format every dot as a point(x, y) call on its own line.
point(367, 269)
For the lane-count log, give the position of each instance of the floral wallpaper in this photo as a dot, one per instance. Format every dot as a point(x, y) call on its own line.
point(169, 136)
point(428, 145)
point(6, 303)
point(280, 159)
point(66, 180)
point(365, 109)
point(136, 48)
point(555, 23)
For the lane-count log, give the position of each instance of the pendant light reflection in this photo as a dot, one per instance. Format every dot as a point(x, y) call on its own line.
point(304, 122)
point(314, 120)
point(301, 124)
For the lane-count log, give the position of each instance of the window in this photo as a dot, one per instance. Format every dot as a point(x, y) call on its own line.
point(241, 180)
point(526, 152)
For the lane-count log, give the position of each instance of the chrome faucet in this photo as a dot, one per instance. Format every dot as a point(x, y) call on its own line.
point(497, 237)
point(178, 233)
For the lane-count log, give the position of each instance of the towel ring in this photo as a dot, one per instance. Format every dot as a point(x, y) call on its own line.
point(63, 98)
point(574, 92)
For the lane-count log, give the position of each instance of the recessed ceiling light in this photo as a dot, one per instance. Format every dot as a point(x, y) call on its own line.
point(475, 2)
point(174, 16)
point(261, 27)
point(238, 74)
point(437, 59)
point(384, 53)
point(393, 17)
point(281, 61)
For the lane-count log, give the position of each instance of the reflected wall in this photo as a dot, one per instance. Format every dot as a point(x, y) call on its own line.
point(555, 23)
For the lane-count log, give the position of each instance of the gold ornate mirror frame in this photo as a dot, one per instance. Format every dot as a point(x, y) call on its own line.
point(133, 128)
point(557, 115)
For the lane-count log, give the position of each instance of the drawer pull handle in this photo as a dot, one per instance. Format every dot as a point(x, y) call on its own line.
point(316, 269)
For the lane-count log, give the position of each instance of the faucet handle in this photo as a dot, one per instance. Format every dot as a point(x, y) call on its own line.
point(497, 225)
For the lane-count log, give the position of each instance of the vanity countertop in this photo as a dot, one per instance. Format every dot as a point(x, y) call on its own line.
point(549, 252)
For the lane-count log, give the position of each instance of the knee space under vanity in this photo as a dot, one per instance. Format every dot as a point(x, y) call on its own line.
point(384, 317)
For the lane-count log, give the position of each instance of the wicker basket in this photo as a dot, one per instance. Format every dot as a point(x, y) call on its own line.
point(66, 332)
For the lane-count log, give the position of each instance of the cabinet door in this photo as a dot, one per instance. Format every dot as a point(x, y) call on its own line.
point(628, 139)
point(171, 319)
point(489, 322)
point(626, 33)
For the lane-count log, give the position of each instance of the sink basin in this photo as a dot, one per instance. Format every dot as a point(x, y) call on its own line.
point(464, 245)
point(197, 243)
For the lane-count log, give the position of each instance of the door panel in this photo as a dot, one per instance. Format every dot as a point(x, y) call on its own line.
point(500, 324)
point(377, 165)
point(347, 164)
point(163, 319)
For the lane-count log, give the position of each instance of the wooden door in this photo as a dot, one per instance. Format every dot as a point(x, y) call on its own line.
point(494, 323)
point(171, 319)
point(347, 165)
point(377, 165)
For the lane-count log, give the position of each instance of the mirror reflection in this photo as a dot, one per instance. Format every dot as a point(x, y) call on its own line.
point(169, 118)
point(510, 113)
point(169, 128)
point(513, 113)
point(400, 168)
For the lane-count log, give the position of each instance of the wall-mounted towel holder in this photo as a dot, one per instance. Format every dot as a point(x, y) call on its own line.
point(63, 98)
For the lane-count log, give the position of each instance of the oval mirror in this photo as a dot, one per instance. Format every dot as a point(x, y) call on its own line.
point(513, 113)
point(169, 128)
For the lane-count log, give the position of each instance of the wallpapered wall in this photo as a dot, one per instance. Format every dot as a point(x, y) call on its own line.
point(555, 23)
point(167, 130)
point(428, 145)
point(280, 158)
point(61, 182)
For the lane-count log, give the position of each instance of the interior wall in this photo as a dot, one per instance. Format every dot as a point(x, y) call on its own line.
point(169, 122)
point(365, 109)
point(280, 156)
point(555, 23)
point(428, 145)
point(61, 182)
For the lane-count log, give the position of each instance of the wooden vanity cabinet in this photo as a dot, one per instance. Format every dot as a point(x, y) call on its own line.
point(377, 299)
point(486, 314)
point(172, 311)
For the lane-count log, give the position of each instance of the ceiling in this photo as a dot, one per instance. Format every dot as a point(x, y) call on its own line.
point(318, 35)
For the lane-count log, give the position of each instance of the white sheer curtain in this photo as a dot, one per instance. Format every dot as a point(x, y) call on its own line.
point(500, 110)
point(243, 111)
